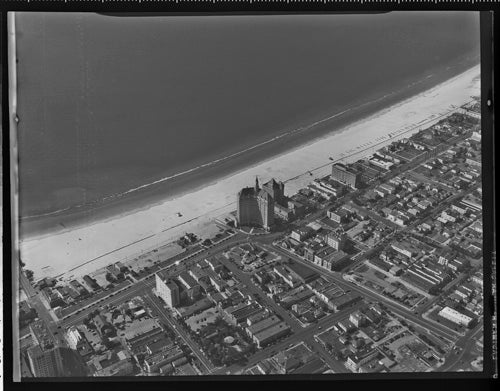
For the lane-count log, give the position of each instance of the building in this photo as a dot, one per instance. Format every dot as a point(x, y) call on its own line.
point(336, 239)
point(255, 206)
point(153, 363)
point(355, 361)
point(345, 175)
point(405, 248)
point(167, 290)
point(198, 273)
point(190, 284)
point(276, 190)
point(262, 325)
point(241, 312)
point(283, 212)
point(44, 358)
point(91, 282)
point(380, 162)
point(338, 215)
point(290, 278)
point(73, 336)
point(455, 316)
point(47, 358)
point(271, 334)
point(343, 301)
point(357, 318)
point(258, 317)
point(478, 278)
point(302, 233)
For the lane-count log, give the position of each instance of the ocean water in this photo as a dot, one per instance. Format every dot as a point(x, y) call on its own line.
point(109, 105)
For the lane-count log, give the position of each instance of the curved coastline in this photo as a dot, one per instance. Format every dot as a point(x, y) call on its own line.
point(174, 186)
point(85, 249)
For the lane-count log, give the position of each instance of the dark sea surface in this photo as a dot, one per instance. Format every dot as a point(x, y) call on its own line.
point(110, 104)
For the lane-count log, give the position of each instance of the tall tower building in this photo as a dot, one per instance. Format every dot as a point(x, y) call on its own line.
point(248, 213)
point(255, 205)
point(276, 190)
point(167, 290)
point(48, 359)
point(266, 209)
point(44, 357)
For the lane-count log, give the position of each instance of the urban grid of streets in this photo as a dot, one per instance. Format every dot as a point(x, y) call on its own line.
point(143, 287)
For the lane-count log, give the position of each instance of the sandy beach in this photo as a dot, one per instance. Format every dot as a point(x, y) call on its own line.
point(84, 249)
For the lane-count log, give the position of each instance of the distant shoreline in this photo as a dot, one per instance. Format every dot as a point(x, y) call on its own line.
point(70, 218)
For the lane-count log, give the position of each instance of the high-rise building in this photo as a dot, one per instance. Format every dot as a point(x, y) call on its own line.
point(48, 359)
point(255, 206)
point(167, 290)
point(345, 175)
point(266, 208)
point(276, 190)
point(44, 357)
point(45, 362)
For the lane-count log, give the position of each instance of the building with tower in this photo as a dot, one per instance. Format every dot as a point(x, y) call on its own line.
point(255, 206)
point(276, 190)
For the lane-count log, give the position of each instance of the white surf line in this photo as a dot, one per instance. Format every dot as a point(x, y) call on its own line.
point(211, 163)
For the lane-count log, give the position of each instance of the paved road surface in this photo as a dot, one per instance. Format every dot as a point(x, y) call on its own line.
point(157, 306)
point(408, 315)
point(465, 344)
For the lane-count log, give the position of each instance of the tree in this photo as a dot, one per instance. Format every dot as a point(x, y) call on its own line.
point(110, 277)
point(29, 275)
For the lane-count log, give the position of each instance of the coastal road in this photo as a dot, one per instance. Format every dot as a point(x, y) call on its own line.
point(138, 287)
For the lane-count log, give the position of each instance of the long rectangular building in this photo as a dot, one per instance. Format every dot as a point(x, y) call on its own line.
point(262, 325)
point(455, 316)
point(271, 334)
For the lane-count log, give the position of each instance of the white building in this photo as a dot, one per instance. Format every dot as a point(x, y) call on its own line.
point(167, 290)
point(455, 316)
point(336, 239)
point(73, 336)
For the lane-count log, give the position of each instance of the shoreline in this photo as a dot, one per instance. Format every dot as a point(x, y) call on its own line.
point(147, 228)
point(163, 189)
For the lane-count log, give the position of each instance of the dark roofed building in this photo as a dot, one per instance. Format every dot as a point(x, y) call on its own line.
point(304, 273)
point(345, 175)
point(276, 190)
point(255, 206)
